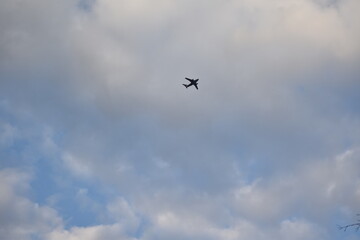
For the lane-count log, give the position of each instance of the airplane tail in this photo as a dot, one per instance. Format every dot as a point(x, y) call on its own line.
point(186, 85)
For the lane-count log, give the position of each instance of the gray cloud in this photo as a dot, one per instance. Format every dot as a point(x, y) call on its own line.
point(95, 87)
point(20, 218)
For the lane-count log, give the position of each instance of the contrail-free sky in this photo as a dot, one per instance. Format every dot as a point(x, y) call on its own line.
point(99, 140)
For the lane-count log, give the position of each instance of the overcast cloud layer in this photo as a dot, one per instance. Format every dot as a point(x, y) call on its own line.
point(99, 140)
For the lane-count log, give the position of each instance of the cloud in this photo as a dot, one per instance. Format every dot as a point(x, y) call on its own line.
point(300, 230)
point(314, 190)
point(91, 100)
point(8, 134)
point(20, 217)
point(76, 166)
point(106, 232)
point(260, 210)
point(257, 210)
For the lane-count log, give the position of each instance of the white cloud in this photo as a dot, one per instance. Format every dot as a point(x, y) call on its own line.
point(121, 211)
point(100, 232)
point(277, 90)
point(315, 189)
point(8, 133)
point(296, 230)
point(295, 206)
point(21, 218)
point(76, 165)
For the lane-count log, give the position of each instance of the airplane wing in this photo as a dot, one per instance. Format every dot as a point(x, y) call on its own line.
point(196, 86)
point(188, 79)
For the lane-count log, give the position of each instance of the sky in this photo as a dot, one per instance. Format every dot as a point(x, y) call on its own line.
point(99, 140)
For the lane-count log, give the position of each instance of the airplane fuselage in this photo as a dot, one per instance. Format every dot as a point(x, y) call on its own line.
point(192, 82)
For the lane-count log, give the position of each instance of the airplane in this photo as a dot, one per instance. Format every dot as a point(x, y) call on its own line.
point(192, 82)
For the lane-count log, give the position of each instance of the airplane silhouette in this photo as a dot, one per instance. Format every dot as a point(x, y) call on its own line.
point(192, 82)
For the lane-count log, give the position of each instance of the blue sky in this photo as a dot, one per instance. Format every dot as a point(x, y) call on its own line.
point(100, 140)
